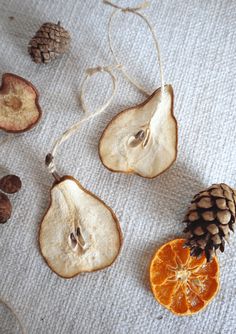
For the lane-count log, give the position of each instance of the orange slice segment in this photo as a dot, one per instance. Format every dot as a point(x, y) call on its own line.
point(183, 284)
point(179, 303)
point(165, 293)
point(195, 304)
point(207, 268)
point(204, 288)
point(167, 255)
point(163, 272)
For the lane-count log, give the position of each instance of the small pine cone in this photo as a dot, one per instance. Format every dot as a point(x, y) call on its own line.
point(209, 220)
point(50, 41)
point(5, 208)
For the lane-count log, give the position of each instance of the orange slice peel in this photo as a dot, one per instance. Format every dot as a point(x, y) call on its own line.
point(183, 284)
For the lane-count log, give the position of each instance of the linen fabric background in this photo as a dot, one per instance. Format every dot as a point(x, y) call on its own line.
point(198, 44)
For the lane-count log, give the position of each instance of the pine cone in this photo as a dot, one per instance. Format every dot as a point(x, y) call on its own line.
point(50, 41)
point(5, 208)
point(210, 218)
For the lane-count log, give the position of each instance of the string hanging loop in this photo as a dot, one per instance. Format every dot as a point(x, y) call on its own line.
point(135, 11)
point(50, 158)
point(50, 163)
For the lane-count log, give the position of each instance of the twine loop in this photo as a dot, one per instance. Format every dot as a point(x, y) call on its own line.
point(50, 158)
point(93, 70)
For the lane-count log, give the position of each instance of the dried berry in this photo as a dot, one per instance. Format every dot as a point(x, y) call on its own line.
point(10, 184)
point(5, 208)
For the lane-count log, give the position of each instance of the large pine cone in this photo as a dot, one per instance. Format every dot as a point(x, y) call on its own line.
point(49, 41)
point(210, 218)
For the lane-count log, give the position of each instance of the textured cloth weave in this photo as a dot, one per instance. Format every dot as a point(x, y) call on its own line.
point(198, 44)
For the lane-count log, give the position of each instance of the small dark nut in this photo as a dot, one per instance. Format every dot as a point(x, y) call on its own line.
point(10, 184)
point(5, 208)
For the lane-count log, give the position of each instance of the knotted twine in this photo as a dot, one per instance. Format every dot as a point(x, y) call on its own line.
point(50, 161)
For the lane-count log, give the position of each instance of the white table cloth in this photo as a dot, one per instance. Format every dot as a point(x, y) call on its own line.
point(198, 43)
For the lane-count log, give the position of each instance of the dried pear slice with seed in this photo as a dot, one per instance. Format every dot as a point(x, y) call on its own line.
point(143, 139)
point(19, 106)
point(79, 233)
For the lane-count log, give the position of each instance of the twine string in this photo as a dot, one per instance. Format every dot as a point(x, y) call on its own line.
point(90, 72)
point(142, 5)
point(135, 11)
point(50, 161)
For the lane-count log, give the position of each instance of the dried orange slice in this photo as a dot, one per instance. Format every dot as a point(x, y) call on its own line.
point(181, 283)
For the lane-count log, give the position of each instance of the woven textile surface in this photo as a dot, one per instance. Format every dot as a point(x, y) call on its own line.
point(198, 44)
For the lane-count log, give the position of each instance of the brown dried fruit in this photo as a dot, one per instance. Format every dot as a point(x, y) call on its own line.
point(142, 140)
point(19, 107)
point(5, 208)
point(10, 184)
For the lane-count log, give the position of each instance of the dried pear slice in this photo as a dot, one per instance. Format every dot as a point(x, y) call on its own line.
point(142, 139)
point(19, 107)
point(79, 233)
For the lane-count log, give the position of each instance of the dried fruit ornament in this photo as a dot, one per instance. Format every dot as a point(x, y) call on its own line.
point(143, 139)
point(79, 232)
point(19, 107)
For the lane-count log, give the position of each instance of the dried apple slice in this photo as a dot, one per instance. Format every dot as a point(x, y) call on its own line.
point(19, 107)
point(143, 139)
point(79, 233)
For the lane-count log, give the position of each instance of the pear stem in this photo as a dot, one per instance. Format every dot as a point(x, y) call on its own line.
point(50, 165)
point(56, 176)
